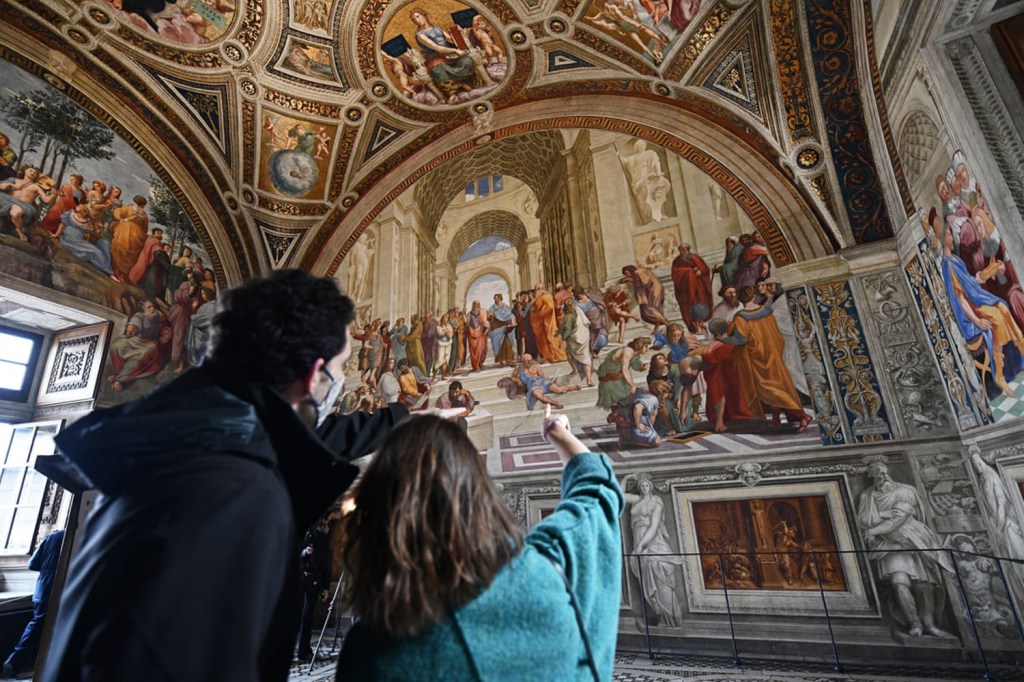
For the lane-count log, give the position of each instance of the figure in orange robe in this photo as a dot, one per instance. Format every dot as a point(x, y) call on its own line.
point(130, 233)
point(478, 327)
point(759, 362)
point(545, 328)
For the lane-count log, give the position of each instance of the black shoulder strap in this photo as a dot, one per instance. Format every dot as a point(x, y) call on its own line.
point(579, 618)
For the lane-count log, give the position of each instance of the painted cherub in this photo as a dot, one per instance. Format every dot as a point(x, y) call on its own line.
point(410, 71)
point(323, 141)
point(483, 33)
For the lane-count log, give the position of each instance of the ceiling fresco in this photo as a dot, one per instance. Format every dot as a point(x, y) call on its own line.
point(288, 125)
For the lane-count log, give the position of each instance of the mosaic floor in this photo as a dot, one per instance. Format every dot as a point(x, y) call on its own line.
point(638, 668)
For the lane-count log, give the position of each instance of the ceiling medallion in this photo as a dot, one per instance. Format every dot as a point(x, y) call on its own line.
point(231, 202)
point(557, 26)
point(248, 87)
point(248, 196)
point(348, 201)
point(441, 57)
point(99, 16)
point(233, 52)
point(480, 107)
point(54, 82)
point(379, 90)
point(353, 114)
point(77, 36)
point(517, 37)
point(662, 89)
point(807, 158)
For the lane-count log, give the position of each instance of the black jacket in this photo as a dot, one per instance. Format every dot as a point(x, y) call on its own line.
point(186, 570)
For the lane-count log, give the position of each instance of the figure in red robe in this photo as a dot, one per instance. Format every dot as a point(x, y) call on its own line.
point(692, 279)
point(154, 242)
point(478, 327)
point(725, 398)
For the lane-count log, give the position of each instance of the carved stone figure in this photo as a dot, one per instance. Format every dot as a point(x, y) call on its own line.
point(657, 573)
point(996, 498)
point(891, 516)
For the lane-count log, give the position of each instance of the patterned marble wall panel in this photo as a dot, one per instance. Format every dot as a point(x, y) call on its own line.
point(964, 396)
point(855, 371)
point(953, 511)
point(830, 418)
point(908, 367)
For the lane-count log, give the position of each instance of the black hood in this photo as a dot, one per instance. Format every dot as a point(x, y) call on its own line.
point(200, 414)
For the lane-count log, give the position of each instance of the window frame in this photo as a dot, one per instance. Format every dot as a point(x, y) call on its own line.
point(23, 394)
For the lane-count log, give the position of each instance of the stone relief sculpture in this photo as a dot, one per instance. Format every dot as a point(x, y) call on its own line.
point(996, 499)
point(647, 520)
point(985, 592)
point(891, 515)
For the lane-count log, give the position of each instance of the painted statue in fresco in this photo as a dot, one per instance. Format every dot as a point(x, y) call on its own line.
point(186, 22)
point(436, 64)
point(649, 185)
point(650, 537)
point(891, 517)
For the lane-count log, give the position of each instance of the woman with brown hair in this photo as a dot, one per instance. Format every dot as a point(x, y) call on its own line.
point(445, 586)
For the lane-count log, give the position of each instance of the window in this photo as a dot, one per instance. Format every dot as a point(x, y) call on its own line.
point(490, 184)
point(21, 486)
point(19, 354)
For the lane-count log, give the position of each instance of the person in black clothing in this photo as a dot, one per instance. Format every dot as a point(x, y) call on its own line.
point(187, 565)
point(316, 577)
point(44, 560)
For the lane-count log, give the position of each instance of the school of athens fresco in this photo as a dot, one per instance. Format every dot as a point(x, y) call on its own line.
point(676, 331)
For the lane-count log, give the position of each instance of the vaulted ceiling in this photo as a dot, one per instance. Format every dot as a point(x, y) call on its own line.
point(776, 99)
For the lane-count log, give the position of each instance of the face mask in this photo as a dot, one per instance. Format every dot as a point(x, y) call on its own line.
point(324, 406)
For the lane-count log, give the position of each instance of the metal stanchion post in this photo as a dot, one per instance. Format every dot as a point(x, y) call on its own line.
point(330, 610)
point(728, 609)
point(643, 602)
point(1009, 596)
point(970, 614)
point(828, 619)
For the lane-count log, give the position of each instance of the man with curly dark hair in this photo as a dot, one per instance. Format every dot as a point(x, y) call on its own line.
point(186, 568)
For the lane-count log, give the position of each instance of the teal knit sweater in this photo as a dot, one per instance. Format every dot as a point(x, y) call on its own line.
point(522, 627)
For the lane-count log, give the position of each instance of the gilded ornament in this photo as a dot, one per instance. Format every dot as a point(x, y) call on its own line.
point(353, 114)
point(78, 36)
point(248, 196)
point(379, 90)
point(557, 26)
point(517, 37)
point(808, 158)
point(248, 87)
point(99, 16)
point(233, 52)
